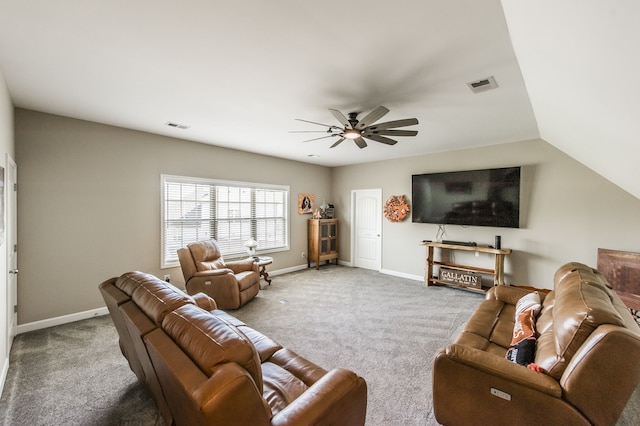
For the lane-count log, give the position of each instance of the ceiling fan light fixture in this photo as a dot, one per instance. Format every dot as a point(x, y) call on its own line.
point(352, 134)
point(358, 130)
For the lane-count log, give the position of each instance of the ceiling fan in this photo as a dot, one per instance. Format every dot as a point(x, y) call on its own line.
point(359, 130)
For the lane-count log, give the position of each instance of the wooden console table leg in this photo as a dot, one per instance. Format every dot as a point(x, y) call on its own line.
point(498, 278)
point(429, 267)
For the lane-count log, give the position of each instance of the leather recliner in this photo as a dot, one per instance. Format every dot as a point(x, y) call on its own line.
point(230, 284)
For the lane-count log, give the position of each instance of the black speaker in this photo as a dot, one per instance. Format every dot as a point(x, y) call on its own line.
point(498, 243)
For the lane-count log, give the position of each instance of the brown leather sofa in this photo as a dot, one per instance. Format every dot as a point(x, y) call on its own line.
point(231, 284)
point(205, 367)
point(587, 344)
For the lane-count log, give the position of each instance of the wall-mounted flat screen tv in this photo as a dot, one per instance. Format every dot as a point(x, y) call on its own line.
point(489, 197)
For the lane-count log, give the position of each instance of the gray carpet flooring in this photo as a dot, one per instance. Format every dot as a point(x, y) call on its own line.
point(387, 329)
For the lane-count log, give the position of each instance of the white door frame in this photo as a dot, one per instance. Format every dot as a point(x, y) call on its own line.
point(11, 234)
point(353, 226)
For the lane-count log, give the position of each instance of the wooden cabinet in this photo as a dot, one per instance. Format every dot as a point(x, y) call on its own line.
point(497, 273)
point(322, 240)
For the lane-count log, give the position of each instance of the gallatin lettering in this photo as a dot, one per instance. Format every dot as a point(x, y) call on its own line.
point(459, 277)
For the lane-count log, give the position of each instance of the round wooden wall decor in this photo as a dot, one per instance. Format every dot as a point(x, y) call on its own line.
point(396, 208)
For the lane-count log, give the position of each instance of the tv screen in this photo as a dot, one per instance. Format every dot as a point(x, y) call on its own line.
point(489, 197)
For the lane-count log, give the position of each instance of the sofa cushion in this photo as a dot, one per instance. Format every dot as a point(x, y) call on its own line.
point(130, 281)
point(582, 301)
point(206, 255)
point(490, 327)
point(210, 341)
point(204, 301)
point(157, 298)
point(530, 301)
point(280, 386)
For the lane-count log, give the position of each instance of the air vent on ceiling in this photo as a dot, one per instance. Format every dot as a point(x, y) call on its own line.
point(176, 125)
point(483, 85)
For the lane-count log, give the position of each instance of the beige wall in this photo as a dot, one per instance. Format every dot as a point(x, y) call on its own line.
point(568, 211)
point(89, 205)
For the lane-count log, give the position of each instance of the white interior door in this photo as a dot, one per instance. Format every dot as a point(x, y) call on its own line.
point(11, 235)
point(367, 228)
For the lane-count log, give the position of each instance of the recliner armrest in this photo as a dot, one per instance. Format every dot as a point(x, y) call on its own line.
point(507, 294)
point(243, 265)
point(212, 273)
point(502, 368)
point(339, 397)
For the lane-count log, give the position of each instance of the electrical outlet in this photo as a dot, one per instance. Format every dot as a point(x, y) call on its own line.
point(167, 278)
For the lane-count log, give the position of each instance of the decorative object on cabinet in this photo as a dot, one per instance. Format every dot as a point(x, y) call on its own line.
point(465, 273)
point(325, 210)
point(396, 208)
point(305, 203)
point(322, 241)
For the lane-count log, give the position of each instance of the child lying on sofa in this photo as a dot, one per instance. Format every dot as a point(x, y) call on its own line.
point(523, 344)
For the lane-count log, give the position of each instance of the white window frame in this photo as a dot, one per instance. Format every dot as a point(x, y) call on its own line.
point(266, 221)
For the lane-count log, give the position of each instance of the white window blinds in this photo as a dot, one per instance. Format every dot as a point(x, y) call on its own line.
point(196, 209)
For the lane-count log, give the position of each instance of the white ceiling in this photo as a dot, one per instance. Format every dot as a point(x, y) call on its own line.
point(240, 73)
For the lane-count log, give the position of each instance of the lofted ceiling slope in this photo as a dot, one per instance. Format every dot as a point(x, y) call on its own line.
point(581, 66)
point(238, 74)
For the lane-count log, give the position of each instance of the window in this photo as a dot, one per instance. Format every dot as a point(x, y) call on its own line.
point(230, 212)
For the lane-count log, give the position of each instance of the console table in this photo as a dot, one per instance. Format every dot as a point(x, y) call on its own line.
point(497, 272)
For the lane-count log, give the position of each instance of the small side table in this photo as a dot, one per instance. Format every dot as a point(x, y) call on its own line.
point(262, 263)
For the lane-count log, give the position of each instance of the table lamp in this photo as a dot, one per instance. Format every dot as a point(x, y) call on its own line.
point(251, 245)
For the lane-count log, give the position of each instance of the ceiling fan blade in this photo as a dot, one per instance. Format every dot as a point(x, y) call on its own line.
point(372, 117)
point(396, 123)
point(337, 143)
point(320, 124)
point(360, 142)
point(341, 118)
point(310, 131)
point(390, 132)
point(382, 139)
point(323, 137)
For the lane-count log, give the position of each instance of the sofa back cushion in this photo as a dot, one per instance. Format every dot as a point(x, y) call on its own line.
point(581, 301)
point(156, 298)
point(206, 255)
point(210, 341)
point(129, 281)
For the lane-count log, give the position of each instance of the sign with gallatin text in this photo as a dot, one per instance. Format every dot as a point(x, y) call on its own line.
point(460, 277)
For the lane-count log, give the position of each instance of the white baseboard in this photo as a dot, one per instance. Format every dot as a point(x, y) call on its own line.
point(51, 322)
point(38, 325)
point(402, 275)
point(286, 270)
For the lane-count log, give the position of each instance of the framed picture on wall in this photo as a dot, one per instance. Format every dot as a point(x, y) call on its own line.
point(305, 203)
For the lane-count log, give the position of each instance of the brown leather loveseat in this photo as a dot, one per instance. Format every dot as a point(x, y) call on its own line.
point(588, 346)
point(205, 367)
